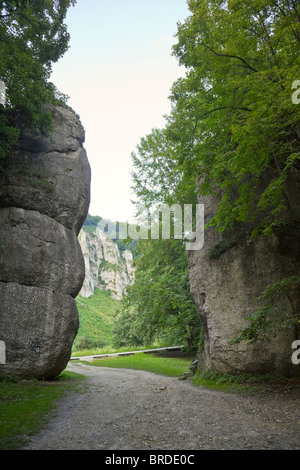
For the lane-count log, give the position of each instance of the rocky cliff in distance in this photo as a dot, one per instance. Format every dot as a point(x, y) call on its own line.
point(106, 267)
point(44, 200)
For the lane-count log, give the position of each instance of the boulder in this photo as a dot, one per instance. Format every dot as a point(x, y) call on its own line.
point(38, 327)
point(50, 175)
point(44, 200)
point(38, 251)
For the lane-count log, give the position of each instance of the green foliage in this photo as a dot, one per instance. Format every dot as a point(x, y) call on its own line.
point(157, 176)
point(159, 364)
point(32, 37)
point(24, 406)
point(111, 350)
point(234, 107)
point(233, 123)
point(159, 306)
point(8, 135)
point(92, 222)
point(267, 320)
point(110, 266)
point(85, 343)
point(128, 328)
point(219, 248)
point(96, 318)
point(233, 126)
point(248, 384)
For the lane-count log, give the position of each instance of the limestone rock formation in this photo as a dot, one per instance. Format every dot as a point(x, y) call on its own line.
point(223, 287)
point(45, 195)
point(106, 267)
point(50, 175)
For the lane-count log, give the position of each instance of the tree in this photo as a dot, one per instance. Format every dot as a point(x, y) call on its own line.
point(235, 106)
point(159, 305)
point(157, 176)
point(32, 37)
point(234, 127)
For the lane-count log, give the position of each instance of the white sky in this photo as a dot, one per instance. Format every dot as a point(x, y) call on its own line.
point(118, 73)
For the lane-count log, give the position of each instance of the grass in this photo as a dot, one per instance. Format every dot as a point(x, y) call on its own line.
point(175, 364)
point(159, 363)
point(25, 406)
point(245, 383)
point(111, 350)
point(96, 317)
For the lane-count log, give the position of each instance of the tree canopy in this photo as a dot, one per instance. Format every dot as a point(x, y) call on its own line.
point(33, 36)
point(159, 306)
point(233, 128)
point(233, 120)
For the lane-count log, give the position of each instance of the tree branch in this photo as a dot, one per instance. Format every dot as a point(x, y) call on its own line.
point(223, 107)
point(213, 111)
point(231, 56)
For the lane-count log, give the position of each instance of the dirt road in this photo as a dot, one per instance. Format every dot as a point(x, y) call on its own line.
point(133, 410)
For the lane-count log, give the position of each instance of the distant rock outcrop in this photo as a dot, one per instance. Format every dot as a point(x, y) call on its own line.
point(45, 195)
point(106, 267)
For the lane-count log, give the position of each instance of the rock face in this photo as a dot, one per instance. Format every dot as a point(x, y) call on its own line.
point(106, 267)
point(223, 288)
point(44, 201)
point(51, 176)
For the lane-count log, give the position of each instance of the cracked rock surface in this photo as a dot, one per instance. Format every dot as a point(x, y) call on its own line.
point(44, 200)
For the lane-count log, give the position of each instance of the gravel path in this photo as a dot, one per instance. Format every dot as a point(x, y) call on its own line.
point(134, 410)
